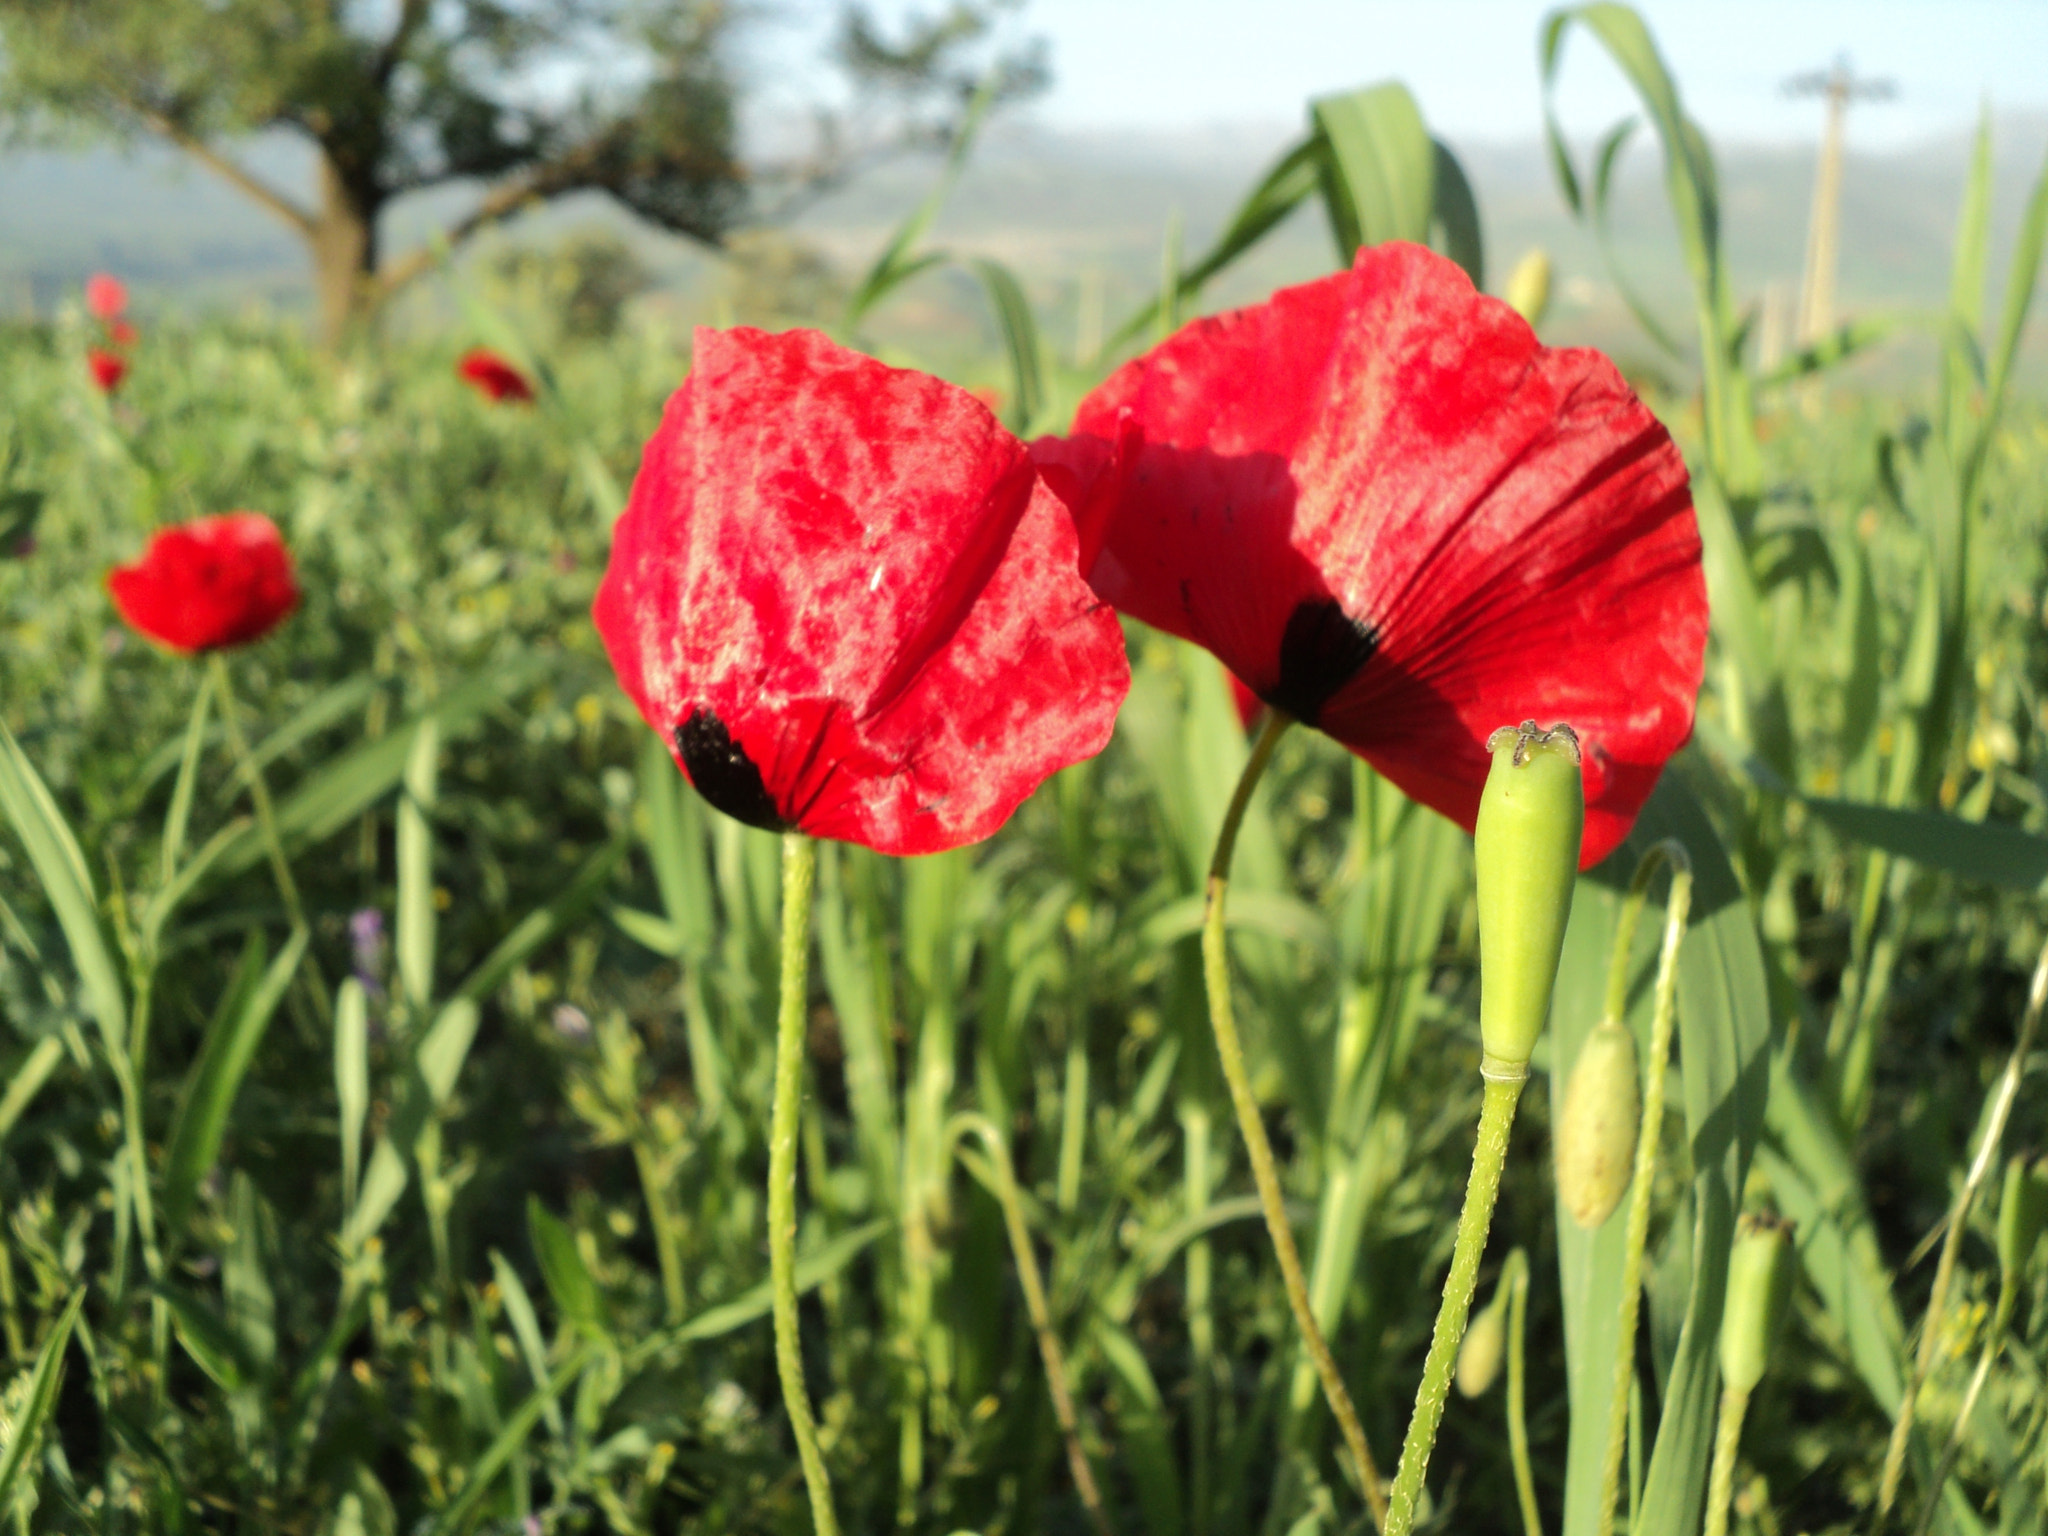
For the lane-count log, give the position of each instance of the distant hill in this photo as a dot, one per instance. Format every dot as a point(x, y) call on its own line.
point(1081, 217)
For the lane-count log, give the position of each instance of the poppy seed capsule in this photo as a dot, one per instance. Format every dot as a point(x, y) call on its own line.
point(1595, 1141)
point(1759, 1296)
point(1526, 856)
point(1486, 1342)
point(2022, 1212)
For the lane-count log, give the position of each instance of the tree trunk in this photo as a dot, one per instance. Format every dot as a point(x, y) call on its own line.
point(344, 248)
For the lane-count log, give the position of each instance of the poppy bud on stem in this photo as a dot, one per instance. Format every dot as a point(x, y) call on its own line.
point(1759, 1295)
point(1526, 857)
point(1230, 1050)
point(799, 867)
point(1677, 909)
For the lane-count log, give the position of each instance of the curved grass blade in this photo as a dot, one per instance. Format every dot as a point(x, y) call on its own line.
point(1020, 341)
point(224, 1057)
point(42, 1398)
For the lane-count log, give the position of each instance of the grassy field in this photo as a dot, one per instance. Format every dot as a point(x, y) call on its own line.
point(444, 1213)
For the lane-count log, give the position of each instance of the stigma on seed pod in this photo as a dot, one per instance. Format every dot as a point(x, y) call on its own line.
point(1759, 1296)
point(1594, 1147)
point(1526, 856)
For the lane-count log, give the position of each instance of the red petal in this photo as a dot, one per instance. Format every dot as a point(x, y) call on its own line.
point(105, 296)
point(108, 369)
point(209, 583)
point(1506, 528)
point(856, 575)
point(493, 376)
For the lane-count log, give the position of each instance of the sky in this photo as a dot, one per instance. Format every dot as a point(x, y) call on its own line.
point(1185, 64)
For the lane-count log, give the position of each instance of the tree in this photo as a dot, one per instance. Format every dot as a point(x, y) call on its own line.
point(529, 98)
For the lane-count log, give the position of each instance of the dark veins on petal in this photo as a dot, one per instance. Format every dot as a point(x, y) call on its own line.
point(1321, 650)
point(724, 774)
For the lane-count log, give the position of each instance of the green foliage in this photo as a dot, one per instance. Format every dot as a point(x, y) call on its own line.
point(449, 1217)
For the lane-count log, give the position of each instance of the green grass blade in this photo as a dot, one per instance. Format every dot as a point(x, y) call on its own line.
point(568, 1278)
point(481, 1473)
point(1456, 216)
point(59, 864)
point(1382, 165)
point(1961, 354)
point(42, 1398)
point(413, 941)
point(351, 1082)
point(812, 1270)
point(1019, 329)
point(216, 1077)
point(1144, 1429)
point(179, 816)
point(333, 795)
point(895, 266)
point(526, 1331)
point(1294, 178)
point(27, 1081)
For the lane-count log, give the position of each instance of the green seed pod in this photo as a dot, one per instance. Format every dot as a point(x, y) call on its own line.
point(2022, 1212)
point(1759, 1297)
point(1526, 849)
point(1528, 292)
point(1595, 1138)
point(1486, 1342)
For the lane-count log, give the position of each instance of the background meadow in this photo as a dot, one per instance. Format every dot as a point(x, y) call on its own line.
point(449, 1217)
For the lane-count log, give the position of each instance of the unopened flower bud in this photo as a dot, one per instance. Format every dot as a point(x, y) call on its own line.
point(1486, 1343)
point(1528, 291)
point(1595, 1138)
point(1526, 848)
point(1759, 1297)
point(2022, 1212)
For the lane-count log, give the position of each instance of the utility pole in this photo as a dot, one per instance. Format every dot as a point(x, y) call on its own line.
point(1816, 316)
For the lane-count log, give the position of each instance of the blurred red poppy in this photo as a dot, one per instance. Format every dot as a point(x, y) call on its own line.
point(210, 583)
point(1400, 519)
point(850, 605)
point(106, 297)
point(108, 369)
point(493, 376)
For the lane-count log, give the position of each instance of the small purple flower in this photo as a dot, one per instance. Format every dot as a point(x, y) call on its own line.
point(366, 941)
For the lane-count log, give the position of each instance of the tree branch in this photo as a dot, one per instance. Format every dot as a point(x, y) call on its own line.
point(410, 15)
point(539, 184)
point(245, 180)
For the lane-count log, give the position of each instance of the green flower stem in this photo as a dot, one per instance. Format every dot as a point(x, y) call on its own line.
point(1489, 1156)
point(1518, 1421)
point(799, 869)
point(1649, 1137)
point(1038, 1310)
point(259, 792)
point(1952, 1239)
point(1230, 1050)
point(1721, 1480)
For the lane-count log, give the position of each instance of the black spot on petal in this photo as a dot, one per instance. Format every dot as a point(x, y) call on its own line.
point(1321, 650)
point(724, 774)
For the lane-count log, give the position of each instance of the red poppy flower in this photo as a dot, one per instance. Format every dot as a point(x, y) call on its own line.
point(121, 333)
point(209, 583)
point(106, 297)
point(493, 376)
point(1400, 519)
point(849, 603)
point(108, 369)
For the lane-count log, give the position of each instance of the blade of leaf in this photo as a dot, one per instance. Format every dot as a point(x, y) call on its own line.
point(216, 1077)
point(42, 1398)
point(351, 1082)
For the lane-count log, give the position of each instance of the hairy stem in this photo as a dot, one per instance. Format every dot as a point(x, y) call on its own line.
point(799, 867)
point(1230, 1050)
point(1489, 1157)
point(1721, 1481)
